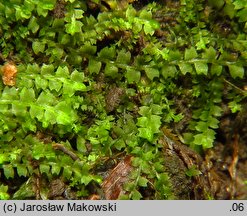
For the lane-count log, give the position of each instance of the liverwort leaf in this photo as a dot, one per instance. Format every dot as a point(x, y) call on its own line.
point(130, 13)
point(201, 68)
point(142, 122)
point(55, 169)
point(4, 157)
point(216, 69)
point(78, 13)
point(213, 122)
point(19, 109)
point(155, 123)
point(8, 171)
point(145, 110)
point(69, 88)
point(29, 125)
point(44, 168)
point(74, 26)
point(152, 73)
point(78, 86)
point(27, 95)
point(9, 94)
point(25, 190)
point(94, 66)
point(234, 106)
point(88, 49)
point(81, 144)
point(133, 75)
point(67, 172)
point(55, 84)
point(77, 76)
point(210, 53)
point(239, 4)
point(242, 14)
point(46, 98)
point(147, 15)
point(49, 116)
point(41, 83)
point(62, 72)
point(119, 144)
point(205, 139)
point(33, 25)
point(216, 110)
point(64, 113)
point(36, 112)
point(146, 133)
point(111, 70)
point(21, 170)
point(44, 6)
point(185, 68)
point(217, 4)
point(190, 54)
point(199, 139)
point(148, 156)
point(63, 118)
point(236, 71)
point(150, 27)
point(123, 57)
point(38, 47)
point(107, 53)
point(137, 25)
point(22, 12)
point(47, 69)
point(168, 71)
point(142, 181)
point(156, 109)
point(193, 171)
point(201, 126)
point(32, 68)
point(188, 138)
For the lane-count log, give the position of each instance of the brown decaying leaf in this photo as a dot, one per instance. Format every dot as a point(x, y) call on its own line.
point(37, 186)
point(113, 98)
point(57, 188)
point(113, 184)
point(233, 166)
point(62, 148)
point(9, 71)
point(94, 197)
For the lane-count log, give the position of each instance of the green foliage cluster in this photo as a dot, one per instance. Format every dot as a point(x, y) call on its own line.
point(69, 56)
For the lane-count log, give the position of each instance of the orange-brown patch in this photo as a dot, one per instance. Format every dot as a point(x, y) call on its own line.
point(9, 71)
point(113, 183)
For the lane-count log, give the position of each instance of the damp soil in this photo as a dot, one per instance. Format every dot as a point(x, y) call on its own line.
point(222, 168)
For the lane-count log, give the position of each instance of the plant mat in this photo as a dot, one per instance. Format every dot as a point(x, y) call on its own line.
point(123, 99)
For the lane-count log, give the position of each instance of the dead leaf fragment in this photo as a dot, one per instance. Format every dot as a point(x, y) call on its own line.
point(113, 184)
point(57, 187)
point(9, 71)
